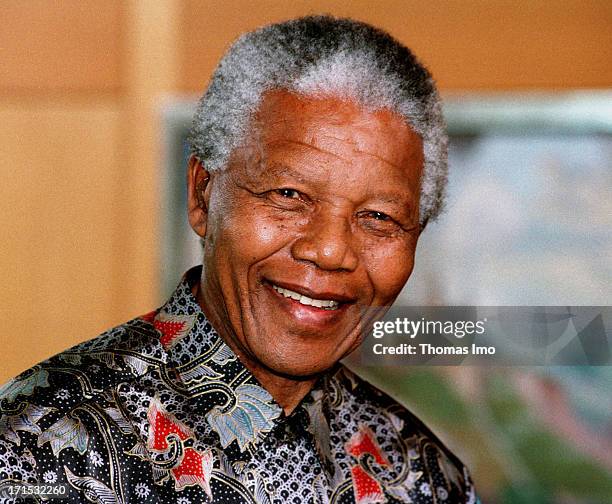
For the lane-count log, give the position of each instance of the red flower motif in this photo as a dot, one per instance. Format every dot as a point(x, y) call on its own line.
point(194, 469)
point(363, 442)
point(172, 327)
point(367, 489)
point(161, 424)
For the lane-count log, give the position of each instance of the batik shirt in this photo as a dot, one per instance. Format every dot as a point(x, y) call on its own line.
point(160, 410)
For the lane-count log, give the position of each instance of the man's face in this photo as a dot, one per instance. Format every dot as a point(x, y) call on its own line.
point(315, 218)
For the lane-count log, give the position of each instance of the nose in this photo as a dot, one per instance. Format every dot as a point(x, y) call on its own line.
point(327, 242)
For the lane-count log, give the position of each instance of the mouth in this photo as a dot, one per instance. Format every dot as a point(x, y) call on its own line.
point(307, 311)
point(325, 304)
point(305, 299)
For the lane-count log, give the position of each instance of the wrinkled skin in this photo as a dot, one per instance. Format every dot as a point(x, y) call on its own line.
point(323, 200)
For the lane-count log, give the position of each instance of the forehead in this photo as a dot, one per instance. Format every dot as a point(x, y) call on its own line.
point(283, 115)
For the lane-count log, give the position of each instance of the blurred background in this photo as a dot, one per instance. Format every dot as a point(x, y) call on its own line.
point(94, 101)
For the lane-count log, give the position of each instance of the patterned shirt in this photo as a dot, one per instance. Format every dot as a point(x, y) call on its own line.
point(160, 410)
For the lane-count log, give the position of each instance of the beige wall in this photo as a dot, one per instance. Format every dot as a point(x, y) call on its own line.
point(80, 81)
point(468, 44)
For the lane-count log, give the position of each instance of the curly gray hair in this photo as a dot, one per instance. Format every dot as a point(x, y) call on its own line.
point(323, 56)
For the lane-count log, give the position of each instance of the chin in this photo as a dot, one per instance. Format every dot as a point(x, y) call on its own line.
point(304, 354)
point(295, 367)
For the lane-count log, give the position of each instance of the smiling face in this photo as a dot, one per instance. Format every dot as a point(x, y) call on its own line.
point(313, 219)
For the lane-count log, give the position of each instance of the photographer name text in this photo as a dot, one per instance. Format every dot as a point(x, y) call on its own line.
point(413, 328)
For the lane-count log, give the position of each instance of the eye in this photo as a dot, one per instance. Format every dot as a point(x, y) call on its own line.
point(379, 223)
point(286, 192)
point(380, 216)
point(286, 198)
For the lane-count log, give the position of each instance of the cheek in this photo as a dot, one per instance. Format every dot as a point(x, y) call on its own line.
point(389, 269)
point(250, 234)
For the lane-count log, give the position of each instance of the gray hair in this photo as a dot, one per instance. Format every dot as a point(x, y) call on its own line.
point(323, 56)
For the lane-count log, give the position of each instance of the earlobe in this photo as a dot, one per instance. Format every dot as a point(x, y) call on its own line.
point(197, 196)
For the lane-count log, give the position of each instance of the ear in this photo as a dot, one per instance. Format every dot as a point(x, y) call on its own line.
point(198, 194)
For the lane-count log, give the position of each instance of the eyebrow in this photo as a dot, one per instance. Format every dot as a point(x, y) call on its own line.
point(390, 197)
point(394, 198)
point(278, 168)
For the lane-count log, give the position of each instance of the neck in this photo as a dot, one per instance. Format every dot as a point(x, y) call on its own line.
point(287, 391)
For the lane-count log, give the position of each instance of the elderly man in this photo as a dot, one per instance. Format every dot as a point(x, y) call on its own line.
point(318, 156)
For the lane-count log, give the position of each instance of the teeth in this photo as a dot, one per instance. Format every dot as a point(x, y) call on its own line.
point(326, 304)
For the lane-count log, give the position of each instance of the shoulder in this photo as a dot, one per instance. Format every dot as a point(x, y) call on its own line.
point(37, 408)
point(403, 437)
point(383, 403)
point(87, 369)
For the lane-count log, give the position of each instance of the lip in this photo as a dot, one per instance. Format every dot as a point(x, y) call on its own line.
point(306, 316)
point(305, 291)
